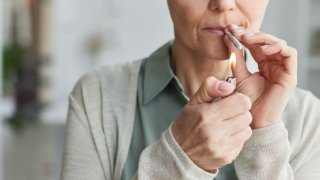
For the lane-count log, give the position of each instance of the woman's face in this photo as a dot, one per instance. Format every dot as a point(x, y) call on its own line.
point(199, 24)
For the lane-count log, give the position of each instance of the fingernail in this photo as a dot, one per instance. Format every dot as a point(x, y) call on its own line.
point(249, 34)
point(225, 86)
point(234, 27)
point(265, 46)
point(238, 30)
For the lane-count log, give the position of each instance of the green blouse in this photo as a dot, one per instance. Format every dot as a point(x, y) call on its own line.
point(160, 99)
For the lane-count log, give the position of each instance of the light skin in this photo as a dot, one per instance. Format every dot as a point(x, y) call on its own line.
point(212, 133)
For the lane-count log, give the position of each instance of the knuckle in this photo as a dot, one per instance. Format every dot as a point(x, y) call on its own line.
point(215, 153)
point(209, 80)
point(214, 139)
point(206, 93)
point(245, 120)
point(226, 160)
point(203, 119)
point(204, 96)
point(212, 150)
point(244, 135)
point(283, 42)
point(245, 101)
point(204, 134)
point(294, 51)
point(258, 33)
point(248, 117)
point(248, 132)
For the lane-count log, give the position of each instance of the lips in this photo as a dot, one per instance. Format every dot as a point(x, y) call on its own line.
point(215, 30)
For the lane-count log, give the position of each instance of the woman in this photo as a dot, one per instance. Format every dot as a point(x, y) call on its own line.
point(163, 117)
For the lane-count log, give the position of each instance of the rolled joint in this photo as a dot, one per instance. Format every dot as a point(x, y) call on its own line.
point(233, 39)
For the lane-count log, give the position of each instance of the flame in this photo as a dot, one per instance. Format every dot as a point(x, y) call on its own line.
point(233, 61)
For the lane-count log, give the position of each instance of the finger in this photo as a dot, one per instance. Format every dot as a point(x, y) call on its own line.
point(263, 43)
point(236, 124)
point(252, 37)
point(239, 32)
point(272, 46)
point(271, 49)
point(234, 153)
point(254, 40)
point(235, 29)
point(229, 153)
point(290, 63)
point(261, 39)
point(241, 70)
point(285, 55)
point(230, 106)
point(211, 89)
point(262, 46)
point(240, 137)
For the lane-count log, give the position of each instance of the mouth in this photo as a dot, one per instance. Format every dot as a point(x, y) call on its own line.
point(216, 30)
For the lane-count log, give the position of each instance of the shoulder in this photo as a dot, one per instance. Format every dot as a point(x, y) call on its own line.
point(107, 75)
point(122, 70)
point(104, 85)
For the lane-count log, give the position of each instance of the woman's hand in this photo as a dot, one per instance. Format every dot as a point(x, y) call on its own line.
point(271, 87)
point(212, 133)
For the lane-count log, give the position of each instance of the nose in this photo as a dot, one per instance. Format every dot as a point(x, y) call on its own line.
point(222, 5)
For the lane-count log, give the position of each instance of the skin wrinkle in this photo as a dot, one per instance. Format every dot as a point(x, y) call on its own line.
point(164, 158)
point(201, 50)
point(190, 37)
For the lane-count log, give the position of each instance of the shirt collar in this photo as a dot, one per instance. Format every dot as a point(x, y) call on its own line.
point(158, 72)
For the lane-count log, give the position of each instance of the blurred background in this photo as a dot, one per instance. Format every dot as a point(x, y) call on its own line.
point(46, 45)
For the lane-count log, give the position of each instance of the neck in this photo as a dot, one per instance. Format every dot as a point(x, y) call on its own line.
point(192, 69)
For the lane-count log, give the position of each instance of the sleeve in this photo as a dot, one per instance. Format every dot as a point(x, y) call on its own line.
point(306, 159)
point(166, 160)
point(81, 160)
point(265, 155)
point(268, 154)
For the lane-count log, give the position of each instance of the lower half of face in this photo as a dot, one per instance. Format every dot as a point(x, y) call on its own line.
point(199, 24)
point(204, 43)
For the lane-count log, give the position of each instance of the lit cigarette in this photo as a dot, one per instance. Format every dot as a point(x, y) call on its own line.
point(233, 39)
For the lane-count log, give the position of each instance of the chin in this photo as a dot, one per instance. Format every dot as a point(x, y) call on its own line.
point(216, 53)
point(215, 50)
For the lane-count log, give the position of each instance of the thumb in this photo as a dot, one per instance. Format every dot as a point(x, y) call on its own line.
point(241, 71)
point(211, 89)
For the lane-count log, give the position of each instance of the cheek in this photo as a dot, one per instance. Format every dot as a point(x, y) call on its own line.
point(254, 12)
point(186, 14)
